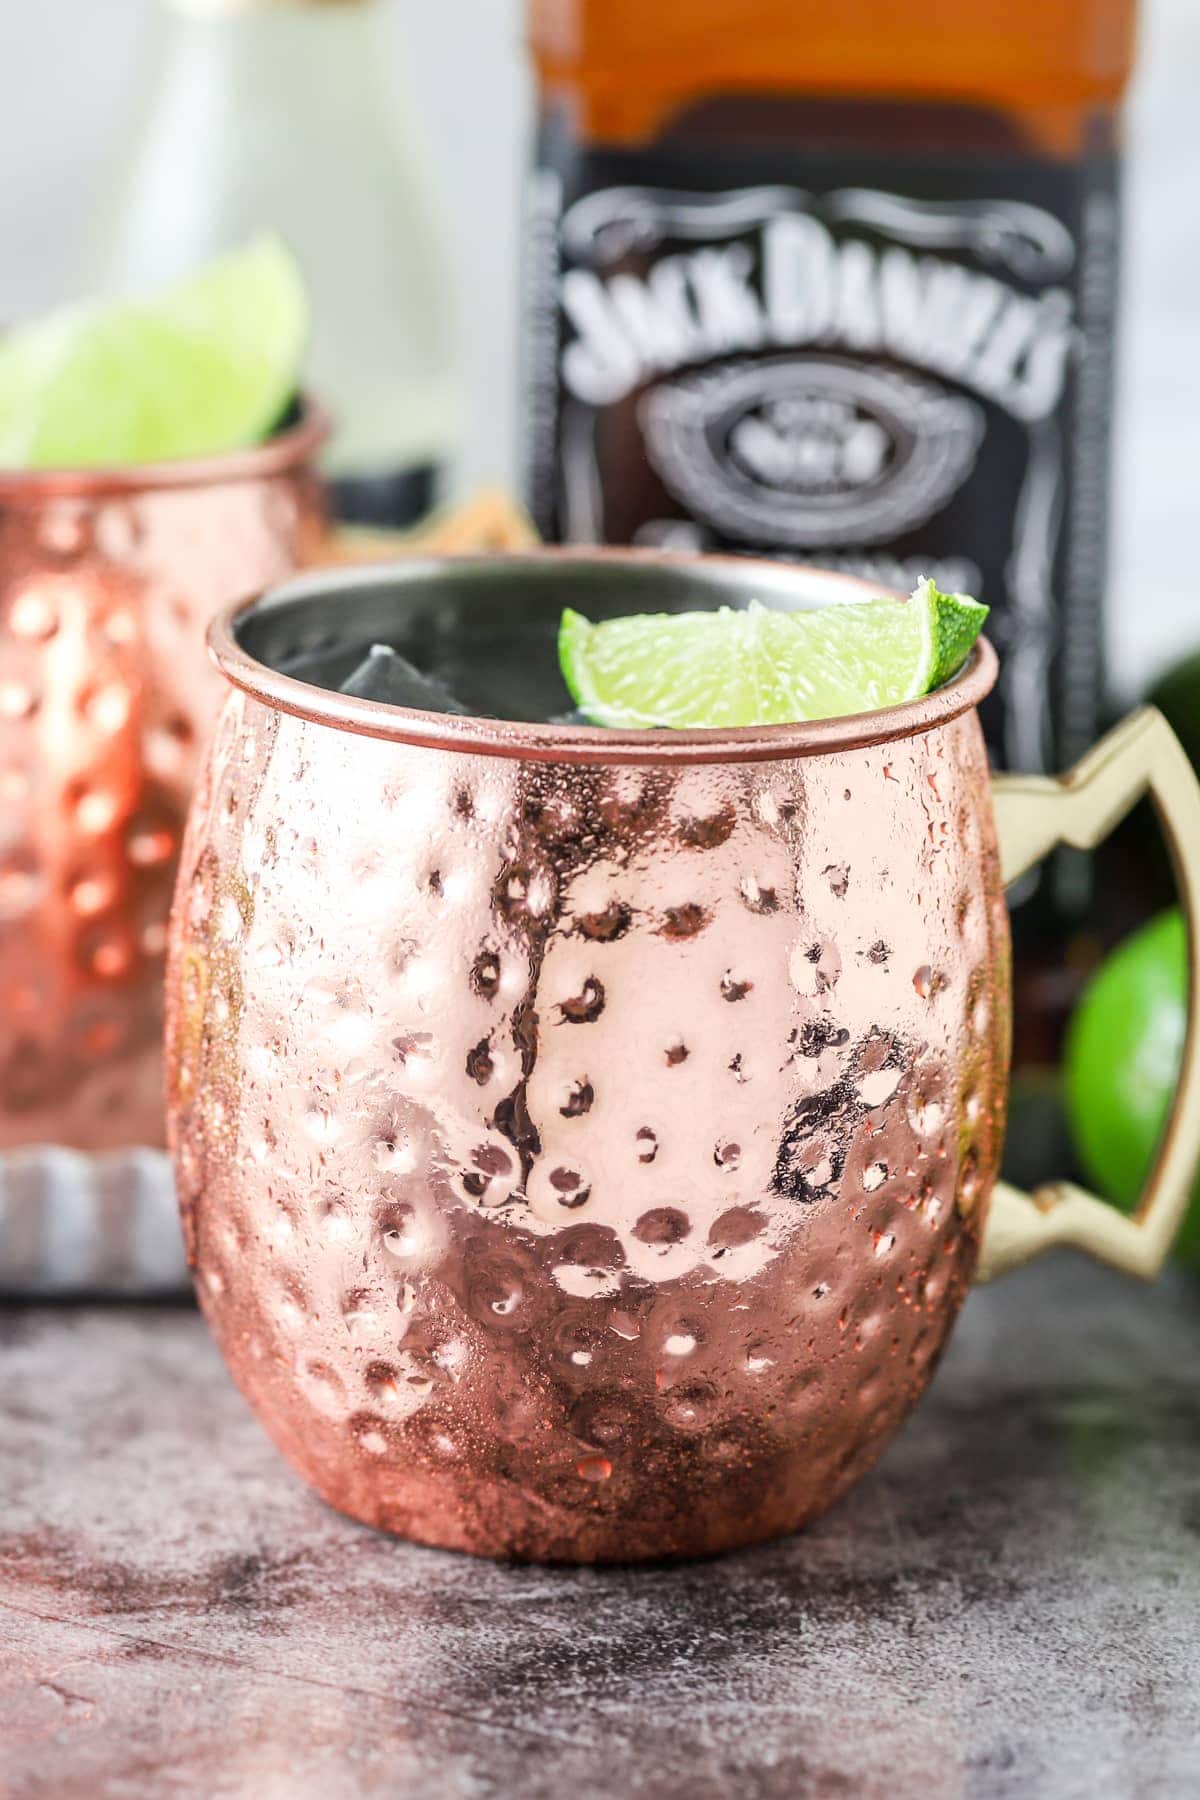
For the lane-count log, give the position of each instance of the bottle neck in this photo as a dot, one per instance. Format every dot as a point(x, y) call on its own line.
point(623, 73)
point(276, 63)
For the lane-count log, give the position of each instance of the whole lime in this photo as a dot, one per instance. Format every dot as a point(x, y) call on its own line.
point(1124, 1045)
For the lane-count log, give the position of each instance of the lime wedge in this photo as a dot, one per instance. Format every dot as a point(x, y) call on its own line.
point(205, 367)
point(760, 667)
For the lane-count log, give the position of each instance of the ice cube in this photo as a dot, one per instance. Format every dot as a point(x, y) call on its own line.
point(385, 675)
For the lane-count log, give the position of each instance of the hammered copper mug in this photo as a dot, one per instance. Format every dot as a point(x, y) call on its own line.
point(586, 1139)
point(108, 579)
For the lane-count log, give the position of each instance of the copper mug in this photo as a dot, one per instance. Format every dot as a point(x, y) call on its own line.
point(586, 1139)
point(108, 580)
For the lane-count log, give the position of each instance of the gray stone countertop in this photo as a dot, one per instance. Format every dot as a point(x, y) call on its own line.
point(1008, 1606)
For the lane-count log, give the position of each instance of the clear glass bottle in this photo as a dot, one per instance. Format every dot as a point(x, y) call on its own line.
point(276, 115)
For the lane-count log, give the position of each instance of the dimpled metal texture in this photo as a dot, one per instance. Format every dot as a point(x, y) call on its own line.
point(107, 582)
point(577, 1161)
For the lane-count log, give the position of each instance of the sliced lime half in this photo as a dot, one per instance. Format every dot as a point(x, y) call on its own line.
point(760, 667)
point(202, 368)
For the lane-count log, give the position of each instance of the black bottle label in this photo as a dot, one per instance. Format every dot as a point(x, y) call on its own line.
point(887, 364)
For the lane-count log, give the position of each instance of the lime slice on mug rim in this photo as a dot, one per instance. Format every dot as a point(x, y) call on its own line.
point(698, 670)
point(207, 366)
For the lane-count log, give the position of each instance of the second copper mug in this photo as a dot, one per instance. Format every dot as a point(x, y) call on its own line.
point(587, 1139)
point(108, 580)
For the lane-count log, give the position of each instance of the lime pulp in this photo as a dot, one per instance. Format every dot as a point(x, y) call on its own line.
point(207, 366)
point(763, 667)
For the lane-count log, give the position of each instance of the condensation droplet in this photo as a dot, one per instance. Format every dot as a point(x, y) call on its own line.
point(594, 1468)
point(689, 1406)
point(874, 1176)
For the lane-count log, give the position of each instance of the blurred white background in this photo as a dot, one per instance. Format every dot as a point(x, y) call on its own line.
point(71, 75)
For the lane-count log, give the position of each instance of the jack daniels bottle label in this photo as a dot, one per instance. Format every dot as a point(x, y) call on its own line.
point(890, 364)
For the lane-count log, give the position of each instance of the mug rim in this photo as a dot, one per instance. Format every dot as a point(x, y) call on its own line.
point(276, 455)
point(541, 742)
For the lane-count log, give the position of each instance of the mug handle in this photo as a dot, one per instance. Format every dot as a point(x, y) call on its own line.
point(1033, 814)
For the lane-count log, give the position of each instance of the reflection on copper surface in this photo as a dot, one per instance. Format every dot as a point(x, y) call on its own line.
point(107, 582)
point(584, 1161)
